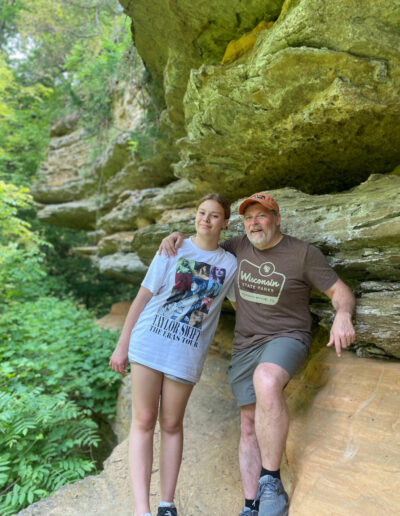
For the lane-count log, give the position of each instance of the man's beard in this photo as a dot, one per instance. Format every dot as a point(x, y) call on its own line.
point(261, 240)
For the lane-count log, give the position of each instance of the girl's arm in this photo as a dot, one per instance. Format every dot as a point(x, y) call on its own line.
point(119, 359)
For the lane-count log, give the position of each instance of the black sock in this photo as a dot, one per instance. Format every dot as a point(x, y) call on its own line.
point(275, 474)
point(252, 504)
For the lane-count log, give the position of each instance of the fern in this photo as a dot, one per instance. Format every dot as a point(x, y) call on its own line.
point(43, 436)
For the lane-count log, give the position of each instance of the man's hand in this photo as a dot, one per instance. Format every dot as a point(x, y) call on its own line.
point(342, 333)
point(171, 243)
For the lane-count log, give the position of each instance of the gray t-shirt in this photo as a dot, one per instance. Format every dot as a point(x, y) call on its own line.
point(175, 329)
point(272, 289)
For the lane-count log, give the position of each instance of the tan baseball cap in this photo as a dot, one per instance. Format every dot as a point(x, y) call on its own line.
point(262, 198)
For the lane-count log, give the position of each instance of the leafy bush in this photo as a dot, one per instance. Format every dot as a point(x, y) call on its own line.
point(21, 261)
point(49, 343)
point(42, 441)
point(21, 274)
point(24, 122)
point(54, 376)
point(55, 382)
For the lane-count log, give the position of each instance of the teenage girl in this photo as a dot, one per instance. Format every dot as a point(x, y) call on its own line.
point(165, 338)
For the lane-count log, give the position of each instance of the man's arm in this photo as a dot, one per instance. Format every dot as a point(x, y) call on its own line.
point(171, 243)
point(119, 359)
point(342, 331)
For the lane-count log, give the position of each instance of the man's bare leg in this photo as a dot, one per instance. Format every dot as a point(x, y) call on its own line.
point(272, 416)
point(272, 425)
point(249, 452)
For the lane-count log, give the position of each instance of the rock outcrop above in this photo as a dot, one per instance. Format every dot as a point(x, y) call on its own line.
point(314, 105)
point(173, 38)
point(342, 455)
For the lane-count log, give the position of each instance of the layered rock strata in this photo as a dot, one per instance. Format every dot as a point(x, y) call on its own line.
point(357, 230)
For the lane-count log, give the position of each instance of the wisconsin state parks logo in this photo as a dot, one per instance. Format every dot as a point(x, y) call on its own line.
point(260, 284)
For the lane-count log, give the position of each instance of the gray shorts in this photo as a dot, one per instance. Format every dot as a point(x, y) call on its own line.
point(286, 352)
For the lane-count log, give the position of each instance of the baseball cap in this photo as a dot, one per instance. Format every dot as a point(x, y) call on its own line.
point(262, 198)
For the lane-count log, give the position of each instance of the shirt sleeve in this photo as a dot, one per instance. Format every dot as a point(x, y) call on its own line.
point(157, 273)
point(231, 244)
point(317, 272)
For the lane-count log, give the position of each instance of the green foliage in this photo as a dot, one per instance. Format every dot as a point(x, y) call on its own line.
point(21, 261)
point(55, 384)
point(42, 437)
point(12, 227)
point(93, 81)
point(24, 120)
point(48, 30)
point(21, 274)
point(9, 11)
point(49, 343)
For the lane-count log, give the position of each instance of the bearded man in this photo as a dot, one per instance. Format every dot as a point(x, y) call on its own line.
point(275, 275)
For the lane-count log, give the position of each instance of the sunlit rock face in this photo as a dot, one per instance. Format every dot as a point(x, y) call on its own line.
point(314, 105)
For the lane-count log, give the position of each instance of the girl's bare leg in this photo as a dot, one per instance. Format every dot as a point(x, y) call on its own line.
point(146, 391)
point(174, 398)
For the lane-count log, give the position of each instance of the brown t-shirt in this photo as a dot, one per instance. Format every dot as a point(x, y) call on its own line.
point(273, 287)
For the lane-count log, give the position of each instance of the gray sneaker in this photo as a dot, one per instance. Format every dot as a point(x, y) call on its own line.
point(248, 512)
point(273, 497)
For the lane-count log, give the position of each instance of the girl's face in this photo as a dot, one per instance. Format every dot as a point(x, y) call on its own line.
point(210, 218)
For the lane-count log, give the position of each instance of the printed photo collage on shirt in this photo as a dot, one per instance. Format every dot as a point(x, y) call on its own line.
point(196, 285)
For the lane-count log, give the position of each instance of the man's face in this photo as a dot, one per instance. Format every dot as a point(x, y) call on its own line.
point(261, 226)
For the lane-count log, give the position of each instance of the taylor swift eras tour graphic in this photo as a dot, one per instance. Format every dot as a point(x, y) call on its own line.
point(196, 285)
